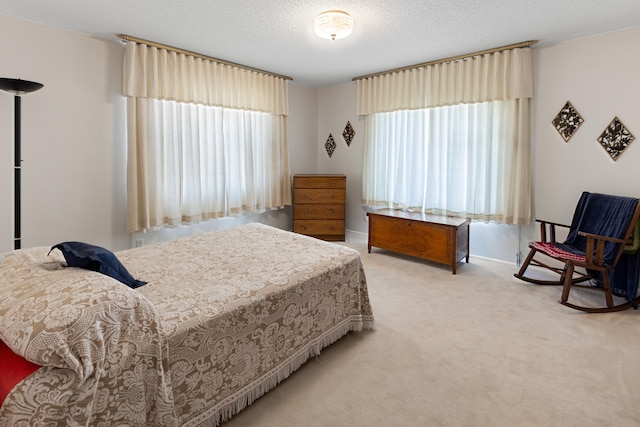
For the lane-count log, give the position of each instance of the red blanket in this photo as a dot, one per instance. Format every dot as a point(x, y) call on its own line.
point(13, 369)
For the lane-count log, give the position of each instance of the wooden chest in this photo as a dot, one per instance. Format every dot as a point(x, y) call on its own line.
point(434, 237)
point(319, 206)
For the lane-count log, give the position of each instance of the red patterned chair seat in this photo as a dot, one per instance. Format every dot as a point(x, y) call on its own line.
point(554, 251)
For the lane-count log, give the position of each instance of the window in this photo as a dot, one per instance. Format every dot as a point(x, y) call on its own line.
point(451, 138)
point(205, 139)
point(456, 160)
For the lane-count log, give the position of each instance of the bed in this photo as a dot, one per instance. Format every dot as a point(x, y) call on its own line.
point(225, 316)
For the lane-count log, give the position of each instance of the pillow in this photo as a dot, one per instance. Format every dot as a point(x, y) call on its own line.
point(95, 258)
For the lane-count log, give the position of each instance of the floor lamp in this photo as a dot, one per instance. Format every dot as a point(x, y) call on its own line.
point(18, 88)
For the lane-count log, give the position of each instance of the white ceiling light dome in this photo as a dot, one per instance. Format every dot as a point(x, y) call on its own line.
point(333, 24)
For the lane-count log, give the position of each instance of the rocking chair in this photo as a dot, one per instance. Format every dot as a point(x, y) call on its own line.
point(598, 244)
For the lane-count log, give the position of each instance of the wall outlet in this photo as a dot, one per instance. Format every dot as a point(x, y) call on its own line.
point(139, 242)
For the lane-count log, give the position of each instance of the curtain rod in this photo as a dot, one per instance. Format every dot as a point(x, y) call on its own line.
point(198, 55)
point(453, 58)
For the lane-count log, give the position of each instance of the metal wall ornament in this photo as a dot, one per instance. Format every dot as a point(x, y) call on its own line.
point(330, 145)
point(567, 121)
point(615, 138)
point(348, 133)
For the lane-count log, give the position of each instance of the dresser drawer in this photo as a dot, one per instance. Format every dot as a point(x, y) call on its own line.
point(306, 181)
point(310, 211)
point(319, 226)
point(318, 195)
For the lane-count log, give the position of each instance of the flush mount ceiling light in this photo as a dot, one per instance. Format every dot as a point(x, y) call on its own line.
point(333, 24)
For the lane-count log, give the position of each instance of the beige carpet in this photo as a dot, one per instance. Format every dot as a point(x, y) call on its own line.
point(479, 348)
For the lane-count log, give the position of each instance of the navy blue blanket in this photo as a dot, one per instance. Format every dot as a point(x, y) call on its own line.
point(610, 216)
point(624, 282)
point(95, 258)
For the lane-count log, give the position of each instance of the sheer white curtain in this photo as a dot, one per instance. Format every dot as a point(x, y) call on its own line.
point(451, 139)
point(197, 149)
point(457, 160)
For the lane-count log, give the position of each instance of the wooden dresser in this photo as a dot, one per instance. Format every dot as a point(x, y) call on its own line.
point(437, 238)
point(319, 206)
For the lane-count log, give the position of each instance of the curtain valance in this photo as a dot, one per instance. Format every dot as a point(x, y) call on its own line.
point(152, 72)
point(497, 76)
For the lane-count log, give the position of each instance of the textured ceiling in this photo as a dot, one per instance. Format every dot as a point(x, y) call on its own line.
point(277, 35)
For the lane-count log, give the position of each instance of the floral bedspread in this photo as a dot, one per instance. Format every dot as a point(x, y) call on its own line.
point(227, 315)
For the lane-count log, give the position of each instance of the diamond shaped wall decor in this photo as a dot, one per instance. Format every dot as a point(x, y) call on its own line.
point(330, 145)
point(567, 121)
point(348, 133)
point(615, 138)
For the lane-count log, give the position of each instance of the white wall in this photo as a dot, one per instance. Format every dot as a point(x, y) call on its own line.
point(600, 76)
point(302, 125)
point(336, 107)
point(73, 170)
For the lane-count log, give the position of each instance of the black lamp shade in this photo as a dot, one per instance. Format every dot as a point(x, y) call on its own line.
point(18, 86)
